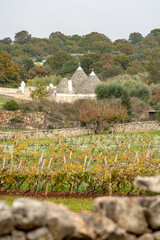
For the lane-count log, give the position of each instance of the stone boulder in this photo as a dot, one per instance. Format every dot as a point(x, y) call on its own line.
point(6, 220)
point(65, 224)
point(126, 212)
point(148, 183)
point(103, 228)
point(153, 214)
point(28, 214)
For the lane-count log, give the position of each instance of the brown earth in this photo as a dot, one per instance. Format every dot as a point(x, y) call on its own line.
point(64, 194)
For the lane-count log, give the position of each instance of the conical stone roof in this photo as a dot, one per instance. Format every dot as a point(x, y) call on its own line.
point(63, 86)
point(78, 78)
point(88, 87)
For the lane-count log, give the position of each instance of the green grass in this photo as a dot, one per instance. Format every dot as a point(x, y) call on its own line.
point(75, 204)
point(2, 101)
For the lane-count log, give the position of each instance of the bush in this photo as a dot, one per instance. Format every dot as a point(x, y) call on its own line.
point(26, 107)
point(11, 105)
point(99, 112)
point(134, 85)
point(140, 91)
point(109, 90)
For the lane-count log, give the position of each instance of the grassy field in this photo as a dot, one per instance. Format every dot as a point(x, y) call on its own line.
point(2, 101)
point(76, 204)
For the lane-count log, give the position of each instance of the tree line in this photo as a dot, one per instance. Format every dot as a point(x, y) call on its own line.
point(108, 59)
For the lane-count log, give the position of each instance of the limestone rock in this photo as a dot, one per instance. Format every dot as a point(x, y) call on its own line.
point(103, 227)
point(126, 212)
point(39, 234)
point(131, 237)
point(148, 183)
point(147, 236)
point(65, 224)
point(156, 235)
point(18, 235)
point(146, 201)
point(6, 221)
point(153, 214)
point(6, 238)
point(28, 213)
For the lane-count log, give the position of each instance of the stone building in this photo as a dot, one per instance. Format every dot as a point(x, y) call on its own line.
point(78, 86)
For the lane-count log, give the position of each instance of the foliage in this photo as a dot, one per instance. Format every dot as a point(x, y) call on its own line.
point(22, 37)
point(40, 71)
point(154, 67)
point(9, 71)
point(11, 105)
point(135, 37)
point(154, 32)
point(108, 90)
point(55, 80)
point(60, 62)
point(133, 85)
point(126, 102)
point(27, 63)
point(7, 41)
point(91, 164)
point(123, 60)
point(89, 61)
point(99, 111)
point(40, 92)
point(107, 66)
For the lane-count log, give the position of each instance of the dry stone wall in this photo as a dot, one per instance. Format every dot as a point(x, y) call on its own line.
point(128, 127)
point(112, 218)
point(136, 126)
point(66, 132)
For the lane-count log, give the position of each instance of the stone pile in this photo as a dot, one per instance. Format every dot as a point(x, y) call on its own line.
point(112, 218)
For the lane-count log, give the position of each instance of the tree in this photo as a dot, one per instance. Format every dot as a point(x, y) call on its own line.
point(109, 90)
point(123, 60)
point(58, 35)
point(100, 112)
point(58, 61)
point(9, 71)
point(90, 61)
point(154, 67)
point(134, 67)
point(6, 41)
point(40, 92)
point(154, 32)
point(95, 42)
point(27, 63)
point(40, 71)
point(22, 37)
point(135, 37)
point(107, 67)
point(125, 47)
point(126, 101)
point(69, 68)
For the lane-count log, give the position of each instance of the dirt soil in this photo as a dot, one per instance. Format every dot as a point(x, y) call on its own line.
point(65, 194)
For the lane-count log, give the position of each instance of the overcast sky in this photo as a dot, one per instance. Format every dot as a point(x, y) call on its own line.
point(115, 18)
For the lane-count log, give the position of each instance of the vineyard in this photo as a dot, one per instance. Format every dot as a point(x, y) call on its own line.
point(91, 164)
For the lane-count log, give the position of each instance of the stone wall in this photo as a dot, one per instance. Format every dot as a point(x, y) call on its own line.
point(128, 127)
point(16, 93)
point(66, 132)
point(136, 126)
point(112, 218)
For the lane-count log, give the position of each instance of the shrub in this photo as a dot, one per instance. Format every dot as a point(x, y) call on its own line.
point(50, 127)
point(26, 107)
point(140, 91)
point(134, 85)
point(11, 105)
point(99, 112)
point(108, 90)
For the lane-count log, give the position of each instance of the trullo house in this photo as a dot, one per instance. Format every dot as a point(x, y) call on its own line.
point(78, 86)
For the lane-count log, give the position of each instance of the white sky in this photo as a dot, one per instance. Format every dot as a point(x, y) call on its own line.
point(115, 18)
